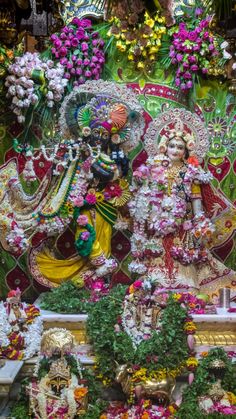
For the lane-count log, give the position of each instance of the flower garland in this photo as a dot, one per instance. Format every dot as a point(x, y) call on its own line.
point(160, 207)
point(84, 242)
point(20, 345)
point(194, 49)
point(80, 51)
point(139, 41)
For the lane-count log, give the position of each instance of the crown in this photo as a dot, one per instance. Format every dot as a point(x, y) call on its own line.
point(59, 368)
point(14, 296)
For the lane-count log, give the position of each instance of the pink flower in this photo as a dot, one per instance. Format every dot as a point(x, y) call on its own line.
point(82, 220)
point(85, 23)
point(74, 42)
point(80, 34)
point(84, 46)
point(192, 36)
point(63, 51)
point(57, 43)
point(63, 36)
point(187, 225)
point(137, 284)
point(85, 235)
point(91, 199)
point(194, 67)
point(79, 201)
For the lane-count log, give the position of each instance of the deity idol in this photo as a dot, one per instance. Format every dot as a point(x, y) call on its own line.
point(171, 208)
point(99, 122)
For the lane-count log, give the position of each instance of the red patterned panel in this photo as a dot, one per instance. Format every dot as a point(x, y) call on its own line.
point(223, 251)
point(19, 157)
point(17, 278)
point(120, 246)
point(41, 167)
point(120, 278)
point(15, 129)
point(219, 171)
point(139, 159)
point(66, 244)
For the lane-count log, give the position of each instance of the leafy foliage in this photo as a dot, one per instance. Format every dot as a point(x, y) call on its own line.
point(112, 347)
point(66, 299)
point(203, 379)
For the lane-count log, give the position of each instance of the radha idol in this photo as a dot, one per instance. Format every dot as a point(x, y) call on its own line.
point(172, 208)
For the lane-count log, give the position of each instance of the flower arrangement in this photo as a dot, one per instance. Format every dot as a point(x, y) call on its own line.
point(80, 51)
point(140, 41)
point(143, 410)
point(31, 79)
point(193, 50)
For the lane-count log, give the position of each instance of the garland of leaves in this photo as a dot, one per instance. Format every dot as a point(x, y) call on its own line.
point(189, 408)
point(67, 299)
point(166, 350)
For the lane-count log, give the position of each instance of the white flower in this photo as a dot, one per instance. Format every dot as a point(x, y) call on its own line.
point(224, 45)
point(49, 95)
point(21, 119)
point(234, 66)
point(227, 55)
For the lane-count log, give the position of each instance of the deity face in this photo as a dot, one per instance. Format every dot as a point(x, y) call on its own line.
point(100, 135)
point(176, 149)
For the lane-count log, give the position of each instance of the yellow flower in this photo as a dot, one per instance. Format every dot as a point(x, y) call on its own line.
point(99, 197)
point(190, 327)
point(192, 362)
point(231, 397)
point(103, 416)
point(131, 289)
point(121, 46)
point(177, 296)
point(130, 57)
point(150, 22)
point(172, 409)
point(204, 354)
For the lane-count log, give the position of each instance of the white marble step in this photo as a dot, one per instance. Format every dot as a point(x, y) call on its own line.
point(8, 374)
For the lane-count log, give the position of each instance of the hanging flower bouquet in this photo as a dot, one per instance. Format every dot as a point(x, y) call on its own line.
point(80, 51)
point(140, 41)
point(31, 80)
point(194, 49)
